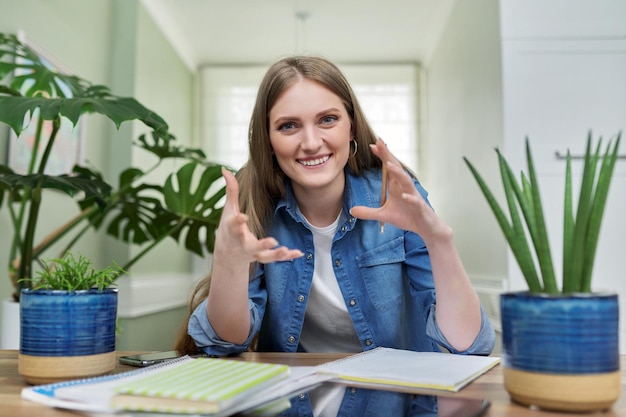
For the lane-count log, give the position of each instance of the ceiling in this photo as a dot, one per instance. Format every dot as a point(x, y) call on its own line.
point(260, 31)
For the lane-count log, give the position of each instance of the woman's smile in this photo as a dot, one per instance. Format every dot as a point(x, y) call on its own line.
point(314, 162)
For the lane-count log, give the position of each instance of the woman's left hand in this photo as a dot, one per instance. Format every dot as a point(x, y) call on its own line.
point(404, 207)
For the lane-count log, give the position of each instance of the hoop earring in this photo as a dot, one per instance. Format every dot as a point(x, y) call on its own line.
point(356, 147)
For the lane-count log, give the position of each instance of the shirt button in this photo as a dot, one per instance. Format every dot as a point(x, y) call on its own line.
point(352, 220)
point(309, 256)
point(337, 262)
point(352, 302)
point(302, 396)
point(353, 390)
point(292, 339)
point(368, 342)
point(301, 298)
point(344, 228)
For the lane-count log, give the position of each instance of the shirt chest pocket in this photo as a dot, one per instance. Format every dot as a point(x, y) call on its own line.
point(382, 272)
point(276, 276)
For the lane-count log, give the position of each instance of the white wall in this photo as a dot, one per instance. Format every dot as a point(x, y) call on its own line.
point(464, 118)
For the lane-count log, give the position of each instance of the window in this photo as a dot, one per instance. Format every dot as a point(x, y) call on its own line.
point(388, 95)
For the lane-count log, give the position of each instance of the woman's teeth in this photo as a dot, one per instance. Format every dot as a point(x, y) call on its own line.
point(314, 162)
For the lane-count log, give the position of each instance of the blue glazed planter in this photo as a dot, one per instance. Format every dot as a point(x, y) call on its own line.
point(573, 334)
point(561, 351)
point(61, 323)
point(66, 335)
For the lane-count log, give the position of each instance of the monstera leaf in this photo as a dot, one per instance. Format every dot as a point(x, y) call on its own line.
point(15, 109)
point(82, 180)
point(196, 204)
point(147, 213)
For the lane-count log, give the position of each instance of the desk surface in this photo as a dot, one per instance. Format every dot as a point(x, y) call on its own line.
point(489, 386)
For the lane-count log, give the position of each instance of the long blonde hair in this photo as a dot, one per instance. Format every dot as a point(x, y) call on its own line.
point(261, 181)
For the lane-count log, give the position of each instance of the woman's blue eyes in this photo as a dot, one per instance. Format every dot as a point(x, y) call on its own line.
point(326, 120)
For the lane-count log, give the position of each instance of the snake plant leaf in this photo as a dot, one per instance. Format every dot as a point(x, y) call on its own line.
point(540, 233)
point(598, 204)
point(519, 244)
point(568, 223)
point(573, 283)
point(580, 230)
point(516, 240)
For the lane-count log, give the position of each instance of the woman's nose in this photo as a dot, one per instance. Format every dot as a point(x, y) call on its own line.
point(311, 139)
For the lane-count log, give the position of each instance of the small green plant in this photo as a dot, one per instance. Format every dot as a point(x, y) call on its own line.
point(580, 229)
point(71, 274)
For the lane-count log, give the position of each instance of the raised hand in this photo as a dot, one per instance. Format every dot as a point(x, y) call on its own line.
point(236, 242)
point(404, 207)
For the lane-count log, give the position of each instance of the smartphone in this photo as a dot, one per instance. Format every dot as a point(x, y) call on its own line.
point(147, 359)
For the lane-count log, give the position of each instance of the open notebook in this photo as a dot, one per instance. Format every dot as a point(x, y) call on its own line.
point(208, 386)
point(382, 366)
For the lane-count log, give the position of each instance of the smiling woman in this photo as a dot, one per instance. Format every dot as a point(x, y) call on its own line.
point(301, 263)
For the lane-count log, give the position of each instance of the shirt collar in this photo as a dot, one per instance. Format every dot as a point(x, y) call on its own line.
point(358, 192)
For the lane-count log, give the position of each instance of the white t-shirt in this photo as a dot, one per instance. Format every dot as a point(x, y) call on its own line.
point(327, 325)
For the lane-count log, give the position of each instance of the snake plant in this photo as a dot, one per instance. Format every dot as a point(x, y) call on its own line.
point(526, 233)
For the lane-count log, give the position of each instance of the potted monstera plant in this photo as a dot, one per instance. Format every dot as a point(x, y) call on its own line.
point(560, 344)
point(186, 206)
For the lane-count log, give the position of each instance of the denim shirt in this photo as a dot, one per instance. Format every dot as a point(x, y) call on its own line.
point(385, 278)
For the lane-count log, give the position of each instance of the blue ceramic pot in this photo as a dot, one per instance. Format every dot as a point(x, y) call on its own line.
point(560, 334)
point(62, 323)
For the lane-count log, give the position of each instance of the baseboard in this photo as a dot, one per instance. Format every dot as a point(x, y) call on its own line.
point(140, 295)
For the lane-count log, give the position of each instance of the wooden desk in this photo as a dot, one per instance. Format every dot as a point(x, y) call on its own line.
point(489, 386)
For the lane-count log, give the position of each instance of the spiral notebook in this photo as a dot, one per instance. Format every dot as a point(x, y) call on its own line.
point(383, 366)
point(185, 385)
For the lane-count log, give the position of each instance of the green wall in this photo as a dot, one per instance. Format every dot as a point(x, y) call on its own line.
point(151, 332)
point(115, 43)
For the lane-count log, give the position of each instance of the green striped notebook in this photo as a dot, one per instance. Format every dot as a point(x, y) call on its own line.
point(202, 385)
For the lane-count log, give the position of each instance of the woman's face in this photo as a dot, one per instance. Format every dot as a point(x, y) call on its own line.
point(309, 131)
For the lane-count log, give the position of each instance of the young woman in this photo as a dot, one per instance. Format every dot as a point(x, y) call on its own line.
point(301, 261)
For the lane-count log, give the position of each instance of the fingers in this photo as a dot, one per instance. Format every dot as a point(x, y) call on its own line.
point(278, 254)
point(232, 189)
point(381, 150)
point(399, 180)
point(365, 213)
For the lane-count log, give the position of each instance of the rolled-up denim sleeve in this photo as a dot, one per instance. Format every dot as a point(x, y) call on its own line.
point(206, 339)
point(483, 344)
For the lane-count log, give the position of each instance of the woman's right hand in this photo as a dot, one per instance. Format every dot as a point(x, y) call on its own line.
point(236, 242)
point(235, 247)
